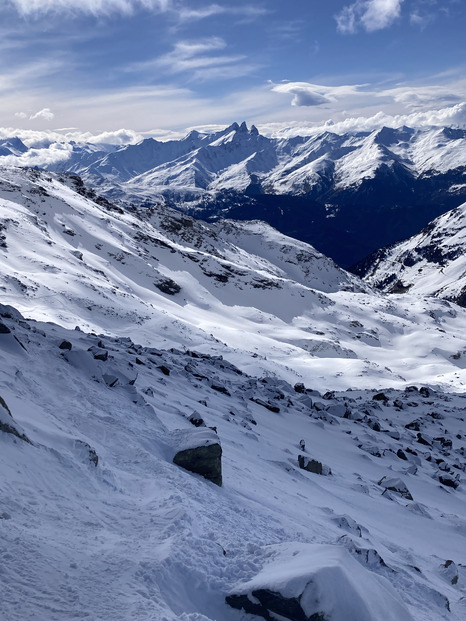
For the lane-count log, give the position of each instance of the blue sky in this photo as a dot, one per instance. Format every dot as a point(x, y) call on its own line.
point(162, 65)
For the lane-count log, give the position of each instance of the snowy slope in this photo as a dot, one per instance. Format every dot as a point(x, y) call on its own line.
point(136, 323)
point(265, 301)
point(97, 522)
point(432, 263)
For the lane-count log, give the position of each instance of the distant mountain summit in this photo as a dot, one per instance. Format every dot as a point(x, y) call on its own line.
point(346, 194)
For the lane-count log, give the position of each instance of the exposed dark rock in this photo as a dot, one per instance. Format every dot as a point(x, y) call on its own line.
point(168, 286)
point(444, 443)
point(401, 454)
point(380, 396)
point(8, 425)
point(422, 440)
point(205, 460)
point(196, 420)
point(65, 345)
point(165, 370)
point(271, 604)
point(449, 481)
point(4, 329)
point(414, 425)
point(312, 465)
point(266, 405)
point(221, 389)
point(99, 353)
point(299, 387)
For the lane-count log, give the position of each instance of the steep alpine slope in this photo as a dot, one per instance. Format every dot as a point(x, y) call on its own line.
point(266, 302)
point(96, 520)
point(432, 263)
point(143, 328)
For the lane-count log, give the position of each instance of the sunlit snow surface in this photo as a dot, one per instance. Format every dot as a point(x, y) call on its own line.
point(138, 538)
point(266, 302)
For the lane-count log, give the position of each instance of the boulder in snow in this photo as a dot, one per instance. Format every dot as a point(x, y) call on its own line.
point(306, 582)
point(396, 485)
point(312, 465)
point(199, 451)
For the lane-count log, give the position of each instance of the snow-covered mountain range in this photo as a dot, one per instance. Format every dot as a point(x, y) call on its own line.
point(126, 334)
point(347, 194)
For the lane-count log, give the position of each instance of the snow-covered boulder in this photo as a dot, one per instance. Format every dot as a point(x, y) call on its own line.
point(199, 451)
point(394, 484)
point(306, 582)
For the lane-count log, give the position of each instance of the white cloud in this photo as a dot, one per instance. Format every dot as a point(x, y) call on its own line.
point(50, 154)
point(46, 114)
point(202, 58)
point(21, 115)
point(371, 15)
point(306, 94)
point(248, 11)
point(94, 7)
point(423, 96)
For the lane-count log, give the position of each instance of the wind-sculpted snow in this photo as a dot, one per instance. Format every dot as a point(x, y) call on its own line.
point(97, 522)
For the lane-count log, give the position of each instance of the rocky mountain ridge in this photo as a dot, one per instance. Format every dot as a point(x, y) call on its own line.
point(326, 189)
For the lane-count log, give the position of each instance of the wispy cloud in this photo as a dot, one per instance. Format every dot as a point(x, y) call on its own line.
point(421, 97)
point(247, 11)
point(370, 15)
point(203, 59)
point(93, 7)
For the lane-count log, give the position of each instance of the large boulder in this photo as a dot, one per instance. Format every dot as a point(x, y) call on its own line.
point(306, 582)
point(312, 465)
point(199, 451)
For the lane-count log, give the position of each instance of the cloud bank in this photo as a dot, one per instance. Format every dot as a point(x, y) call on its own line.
point(453, 116)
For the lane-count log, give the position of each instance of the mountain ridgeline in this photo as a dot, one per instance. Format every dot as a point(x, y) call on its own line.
point(346, 194)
